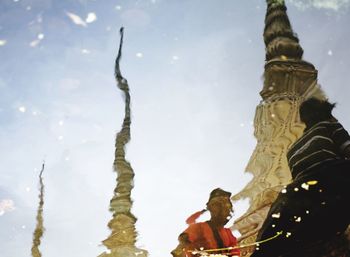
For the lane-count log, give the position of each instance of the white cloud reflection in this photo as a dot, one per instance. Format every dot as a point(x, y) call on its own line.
point(320, 4)
point(76, 19)
point(6, 205)
point(91, 17)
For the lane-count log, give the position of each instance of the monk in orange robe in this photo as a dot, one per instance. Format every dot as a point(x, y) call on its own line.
point(210, 234)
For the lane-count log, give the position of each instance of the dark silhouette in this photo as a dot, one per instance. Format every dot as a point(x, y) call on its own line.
point(313, 209)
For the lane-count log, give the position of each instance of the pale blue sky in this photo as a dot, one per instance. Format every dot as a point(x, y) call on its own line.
point(194, 69)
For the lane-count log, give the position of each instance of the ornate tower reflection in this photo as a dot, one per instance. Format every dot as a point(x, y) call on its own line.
point(287, 81)
point(121, 242)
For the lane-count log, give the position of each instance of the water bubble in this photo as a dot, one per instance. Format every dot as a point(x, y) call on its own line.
point(22, 109)
point(276, 215)
point(91, 17)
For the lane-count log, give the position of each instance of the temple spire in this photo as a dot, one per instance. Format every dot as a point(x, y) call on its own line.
point(280, 40)
point(288, 80)
point(286, 73)
point(121, 242)
point(39, 228)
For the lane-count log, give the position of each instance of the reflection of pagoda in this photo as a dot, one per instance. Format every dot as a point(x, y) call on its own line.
point(121, 242)
point(287, 81)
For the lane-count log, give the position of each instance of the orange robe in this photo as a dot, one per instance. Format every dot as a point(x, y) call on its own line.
point(201, 236)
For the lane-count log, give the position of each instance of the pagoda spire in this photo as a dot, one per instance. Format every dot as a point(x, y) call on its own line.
point(39, 228)
point(280, 40)
point(123, 237)
point(288, 81)
point(286, 73)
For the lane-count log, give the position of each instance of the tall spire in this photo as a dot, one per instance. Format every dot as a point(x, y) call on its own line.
point(288, 80)
point(121, 242)
point(280, 40)
point(39, 228)
point(285, 71)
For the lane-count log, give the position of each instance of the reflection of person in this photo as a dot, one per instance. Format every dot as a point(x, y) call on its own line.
point(314, 207)
point(210, 234)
